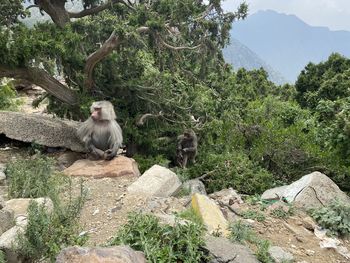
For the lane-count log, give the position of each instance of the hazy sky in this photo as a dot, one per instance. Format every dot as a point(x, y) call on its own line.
point(334, 14)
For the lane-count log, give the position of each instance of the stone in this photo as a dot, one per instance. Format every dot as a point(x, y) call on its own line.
point(311, 191)
point(8, 242)
point(20, 205)
point(194, 186)
point(7, 220)
point(43, 130)
point(2, 202)
point(227, 197)
point(119, 166)
point(67, 158)
point(117, 254)
point(2, 178)
point(279, 255)
point(223, 250)
point(156, 181)
point(308, 223)
point(211, 214)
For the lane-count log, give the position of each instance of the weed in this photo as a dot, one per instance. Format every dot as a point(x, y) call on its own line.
point(335, 217)
point(262, 253)
point(241, 233)
point(162, 243)
point(255, 215)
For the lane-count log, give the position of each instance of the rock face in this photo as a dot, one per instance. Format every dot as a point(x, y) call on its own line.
point(310, 191)
point(210, 213)
point(194, 186)
point(224, 251)
point(118, 254)
point(279, 255)
point(119, 166)
point(20, 205)
point(44, 130)
point(156, 181)
point(7, 220)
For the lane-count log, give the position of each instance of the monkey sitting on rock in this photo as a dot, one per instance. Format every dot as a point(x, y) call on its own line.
point(101, 133)
point(186, 148)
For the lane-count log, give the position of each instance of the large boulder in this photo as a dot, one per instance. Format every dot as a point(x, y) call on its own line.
point(194, 186)
point(44, 130)
point(7, 220)
point(117, 254)
point(156, 181)
point(311, 191)
point(119, 166)
point(224, 251)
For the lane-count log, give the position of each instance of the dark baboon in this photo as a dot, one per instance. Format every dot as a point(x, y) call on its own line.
point(101, 133)
point(186, 147)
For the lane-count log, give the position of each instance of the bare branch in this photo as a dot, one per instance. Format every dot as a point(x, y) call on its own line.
point(111, 43)
point(205, 13)
point(176, 48)
point(98, 9)
point(41, 78)
point(146, 116)
point(32, 6)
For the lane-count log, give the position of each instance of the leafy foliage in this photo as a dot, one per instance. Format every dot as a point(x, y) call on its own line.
point(162, 243)
point(241, 233)
point(7, 97)
point(334, 217)
point(253, 214)
point(2, 257)
point(30, 178)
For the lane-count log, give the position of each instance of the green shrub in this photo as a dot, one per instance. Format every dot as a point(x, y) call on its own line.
point(190, 214)
point(255, 215)
point(146, 162)
point(162, 243)
point(262, 253)
point(279, 212)
point(2, 257)
point(231, 170)
point(7, 98)
point(241, 233)
point(335, 217)
point(30, 178)
point(48, 232)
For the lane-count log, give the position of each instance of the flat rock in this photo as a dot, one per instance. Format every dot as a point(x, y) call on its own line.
point(20, 205)
point(43, 130)
point(156, 181)
point(210, 213)
point(311, 191)
point(7, 220)
point(119, 166)
point(223, 250)
point(117, 254)
point(279, 255)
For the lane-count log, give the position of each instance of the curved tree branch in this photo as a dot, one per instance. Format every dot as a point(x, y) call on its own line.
point(141, 121)
point(56, 10)
point(111, 43)
point(41, 78)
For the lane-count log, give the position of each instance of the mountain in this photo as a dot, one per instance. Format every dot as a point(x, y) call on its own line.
point(288, 44)
point(240, 56)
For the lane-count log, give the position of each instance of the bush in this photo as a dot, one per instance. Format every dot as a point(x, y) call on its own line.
point(254, 215)
point(335, 217)
point(162, 243)
point(2, 257)
point(30, 178)
point(7, 98)
point(241, 233)
point(232, 170)
point(47, 233)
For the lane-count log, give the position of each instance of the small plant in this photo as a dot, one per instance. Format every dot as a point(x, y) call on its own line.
point(2, 257)
point(48, 232)
point(30, 178)
point(335, 217)
point(241, 233)
point(281, 212)
point(262, 253)
point(255, 215)
point(8, 100)
point(191, 215)
point(162, 243)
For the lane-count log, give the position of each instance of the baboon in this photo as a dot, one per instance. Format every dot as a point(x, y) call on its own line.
point(101, 133)
point(186, 148)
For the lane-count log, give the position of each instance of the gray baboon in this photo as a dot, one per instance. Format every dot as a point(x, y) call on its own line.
point(186, 147)
point(101, 133)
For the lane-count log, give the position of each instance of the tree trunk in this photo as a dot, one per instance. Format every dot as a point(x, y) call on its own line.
point(43, 79)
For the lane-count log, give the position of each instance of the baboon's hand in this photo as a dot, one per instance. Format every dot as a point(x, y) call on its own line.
point(109, 154)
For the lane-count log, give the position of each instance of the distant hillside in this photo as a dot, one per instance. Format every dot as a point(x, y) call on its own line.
point(286, 43)
point(240, 56)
